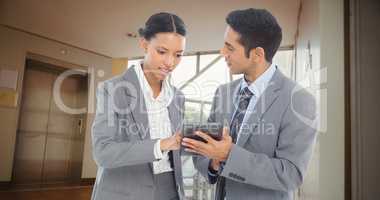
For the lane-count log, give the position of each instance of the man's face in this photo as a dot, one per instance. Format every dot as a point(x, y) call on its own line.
point(234, 52)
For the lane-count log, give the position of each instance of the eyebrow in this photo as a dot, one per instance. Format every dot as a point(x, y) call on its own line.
point(179, 51)
point(228, 44)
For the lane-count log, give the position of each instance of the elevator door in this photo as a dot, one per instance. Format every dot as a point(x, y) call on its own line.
point(50, 140)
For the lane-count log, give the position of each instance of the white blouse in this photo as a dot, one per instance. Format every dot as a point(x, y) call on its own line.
point(158, 117)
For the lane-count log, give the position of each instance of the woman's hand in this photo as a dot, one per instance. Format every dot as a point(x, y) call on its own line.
point(171, 143)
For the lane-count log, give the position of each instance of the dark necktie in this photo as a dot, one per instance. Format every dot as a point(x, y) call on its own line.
point(244, 98)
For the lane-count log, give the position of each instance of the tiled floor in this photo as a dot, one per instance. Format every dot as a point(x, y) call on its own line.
point(78, 193)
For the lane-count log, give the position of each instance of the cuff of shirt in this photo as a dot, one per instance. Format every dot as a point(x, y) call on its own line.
point(211, 171)
point(157, 150)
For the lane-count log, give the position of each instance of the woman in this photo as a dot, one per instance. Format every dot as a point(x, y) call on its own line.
point(135, 132)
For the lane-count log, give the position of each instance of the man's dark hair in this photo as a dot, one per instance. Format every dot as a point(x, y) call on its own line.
point(257, 28)
point(162, 23)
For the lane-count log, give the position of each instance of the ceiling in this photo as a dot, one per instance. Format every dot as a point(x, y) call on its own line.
point(101, 25)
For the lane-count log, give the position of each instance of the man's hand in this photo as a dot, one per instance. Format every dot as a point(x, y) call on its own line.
point(171, 143)
point(213, 149)
point(215, 164)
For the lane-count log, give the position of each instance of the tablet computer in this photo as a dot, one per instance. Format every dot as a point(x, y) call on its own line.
point(214, 130)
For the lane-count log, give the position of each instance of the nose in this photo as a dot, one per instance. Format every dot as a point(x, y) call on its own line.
point(223, 52)
point(169, 61)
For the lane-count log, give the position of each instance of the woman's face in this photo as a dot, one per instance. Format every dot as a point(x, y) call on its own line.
point(163, 52)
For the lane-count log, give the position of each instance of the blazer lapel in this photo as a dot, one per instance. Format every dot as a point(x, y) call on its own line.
point(262, 105)
point(176, 114)
point(175, 111)
point(137, 103)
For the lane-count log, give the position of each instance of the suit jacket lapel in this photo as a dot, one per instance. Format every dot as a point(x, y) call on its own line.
point(137, 103)
point(262, 105)
point(139, 111)
point(175, 111)
point(134, 97)
point(231, 98)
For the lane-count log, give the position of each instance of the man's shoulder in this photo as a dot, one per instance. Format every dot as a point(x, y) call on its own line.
point(230, 86)
point(295, 90)
point(298, 97)
point(287, 83)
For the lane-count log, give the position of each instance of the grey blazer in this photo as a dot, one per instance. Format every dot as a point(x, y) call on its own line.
point(121, 143)
point(271, 156)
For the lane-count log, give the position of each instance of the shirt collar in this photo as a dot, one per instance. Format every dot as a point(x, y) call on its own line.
point(166, 94)
point(258, 86)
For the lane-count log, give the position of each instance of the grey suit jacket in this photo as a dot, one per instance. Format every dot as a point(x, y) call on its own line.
point(271, 156)
point(121, 143)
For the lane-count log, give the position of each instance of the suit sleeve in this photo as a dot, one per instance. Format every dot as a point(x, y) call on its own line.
point(202, 163)
point(286, 170)
point(108, 152)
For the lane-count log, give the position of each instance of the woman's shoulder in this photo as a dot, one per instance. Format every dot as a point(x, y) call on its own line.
point(120, 78)
point(118, 81)
point(178, 94)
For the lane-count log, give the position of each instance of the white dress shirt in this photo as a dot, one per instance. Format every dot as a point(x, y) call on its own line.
point(158, 117)
point(257, 87)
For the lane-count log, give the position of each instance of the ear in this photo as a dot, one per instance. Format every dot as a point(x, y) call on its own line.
point(260, 53)
point(143, 43)
point(257, 54)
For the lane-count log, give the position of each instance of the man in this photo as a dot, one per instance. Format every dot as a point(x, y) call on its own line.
point(264, 152)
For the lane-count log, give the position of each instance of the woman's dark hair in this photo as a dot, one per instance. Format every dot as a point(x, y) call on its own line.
point(162, 22)
point(257, 28)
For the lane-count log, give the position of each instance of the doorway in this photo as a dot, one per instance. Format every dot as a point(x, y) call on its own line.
point(50, 140)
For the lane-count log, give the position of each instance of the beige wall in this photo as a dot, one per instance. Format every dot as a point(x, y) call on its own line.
point(107, 23)
point(332, 142)
point(307, 73)
point(119, 65)
point(13, 50)
point(321, 25)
